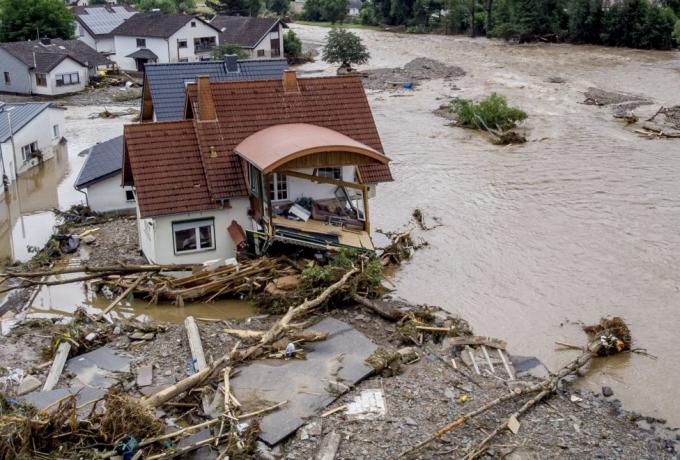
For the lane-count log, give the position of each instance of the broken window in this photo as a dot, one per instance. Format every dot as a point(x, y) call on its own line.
point(195, 235)
point(28, 151)
point(41, 79)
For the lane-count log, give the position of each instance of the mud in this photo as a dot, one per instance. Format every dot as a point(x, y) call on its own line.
point(579, 222)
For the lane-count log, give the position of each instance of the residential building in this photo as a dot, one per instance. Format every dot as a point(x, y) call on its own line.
point(162, 38)
point(94, 24)
point(165, 84)
point(354, 8)
point(47, 67)
point(100, 178)
point(261, 38)
point(29, 135)
point(292, 160)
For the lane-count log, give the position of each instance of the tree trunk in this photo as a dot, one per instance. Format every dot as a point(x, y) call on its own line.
point(489, 10)
point(473, 33)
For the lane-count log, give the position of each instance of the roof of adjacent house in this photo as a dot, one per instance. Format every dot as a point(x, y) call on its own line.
point(143, 53)
point(43, 56)
point(103, 160)
point(20, 113)
point(166, 83)
point(99, 21)
point(244, 31)
point(190, 165)
point(155, 25)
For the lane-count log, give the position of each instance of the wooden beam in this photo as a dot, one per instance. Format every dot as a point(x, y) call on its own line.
point(195, 343)
point(324, 180)
point(57, 366)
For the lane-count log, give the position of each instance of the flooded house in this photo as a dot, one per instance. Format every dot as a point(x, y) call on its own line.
point(100, 177)
point(49, 67)
point(30, 133)
point(292, 160)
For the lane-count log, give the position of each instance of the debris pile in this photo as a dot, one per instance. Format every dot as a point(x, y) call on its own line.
point(414, 72)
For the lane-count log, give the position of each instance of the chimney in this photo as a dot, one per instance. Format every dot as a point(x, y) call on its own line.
point(231, 62)
point(206, 104)
point(290, 83)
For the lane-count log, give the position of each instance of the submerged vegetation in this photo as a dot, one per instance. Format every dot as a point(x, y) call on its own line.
point(492, 112)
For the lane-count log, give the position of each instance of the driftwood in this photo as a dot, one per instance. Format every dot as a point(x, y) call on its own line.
point(57, 366)
point(543, 389)
point(473, 340)
point(122, 296)
point(381, 308)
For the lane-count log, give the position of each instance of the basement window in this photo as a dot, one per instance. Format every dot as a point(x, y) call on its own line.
point(194, 236)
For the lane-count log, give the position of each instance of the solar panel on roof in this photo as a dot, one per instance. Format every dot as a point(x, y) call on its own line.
point(102, 21)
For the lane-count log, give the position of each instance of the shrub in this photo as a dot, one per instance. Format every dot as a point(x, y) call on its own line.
point(228, 48)
point(493, 112)
point(292, 45)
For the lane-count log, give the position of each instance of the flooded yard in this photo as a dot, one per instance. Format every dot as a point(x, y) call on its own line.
point(580, 222)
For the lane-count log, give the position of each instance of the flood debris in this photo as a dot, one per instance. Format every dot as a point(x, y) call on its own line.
point(413, 72)
point(600, 97)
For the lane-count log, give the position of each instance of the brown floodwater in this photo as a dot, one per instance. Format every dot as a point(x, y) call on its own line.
point(580, 222)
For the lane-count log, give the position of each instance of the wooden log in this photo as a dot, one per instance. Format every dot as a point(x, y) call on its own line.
point(381, 308)
point(244, 333)
point(25, 282)
point(121, 269)
point(195, 344)
point(329, 446)
point(475, 340)
point(57, 366)
point(183, 385)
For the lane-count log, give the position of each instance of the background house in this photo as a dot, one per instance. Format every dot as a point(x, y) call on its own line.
point(29, 134)
point(259, 37)
point(194, 178)
point(354, 8)
point(48, 67)
point(100, 178)
point(162, 38)
point(94, 24)
point(164, 85)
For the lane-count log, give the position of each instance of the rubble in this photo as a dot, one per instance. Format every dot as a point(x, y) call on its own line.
point(414, 72)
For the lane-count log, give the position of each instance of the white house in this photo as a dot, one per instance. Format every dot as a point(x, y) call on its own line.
point(256, 163)
point(100, 178)
point(162, 38)
point(29, 134)
point(94, 24)
point(261, 38)
point(48, 67)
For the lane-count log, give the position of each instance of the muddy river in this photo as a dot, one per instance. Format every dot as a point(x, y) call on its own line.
point(580, 222)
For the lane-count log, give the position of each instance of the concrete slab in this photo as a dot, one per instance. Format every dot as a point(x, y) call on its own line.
point(47, 399)
point(144, 376)
point(308, 385)
point(98, 367)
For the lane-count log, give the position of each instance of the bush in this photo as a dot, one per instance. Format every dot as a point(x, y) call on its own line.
point(493, 111)
point(292, 45)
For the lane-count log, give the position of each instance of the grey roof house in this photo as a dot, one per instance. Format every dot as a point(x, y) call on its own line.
point(259, 37)
point(100, 178)
point(48, 66)
point(94, 24)
point(165, 84)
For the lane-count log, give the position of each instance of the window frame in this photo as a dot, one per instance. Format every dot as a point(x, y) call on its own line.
point(8, 78)
point(276, 179)
point(30, 148)
point(253, 181)
point(41, 79)
point(329, 173)
point(260, 53)
point(182, 43)
point(61, 79)
point(55, 131)
point(193, 23)
point(196, 224)
point(142, 41)
point(127, 197)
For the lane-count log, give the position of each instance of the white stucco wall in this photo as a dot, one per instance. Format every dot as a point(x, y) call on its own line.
point(39, 130)
point(128, 45)
point(188, 33)
point(266, 45)
point(105, 45)
point(65, 67)
point(84, 36)
point(107, 195)
point(166, 50)
point(157, 242)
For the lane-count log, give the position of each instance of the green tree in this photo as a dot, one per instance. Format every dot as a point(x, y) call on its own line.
point(585, 20)
point(166, 6)
point(637, 24)
point(312, 10)
point(492, 112)
point(280, 7)
point(26, 19)
point(236, 7)
point(292, 45)
point(676, 32)
point(344, 48)
point(228, 48)
point(334, 10)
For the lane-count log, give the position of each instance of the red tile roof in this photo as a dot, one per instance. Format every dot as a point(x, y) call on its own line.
point(159, 151)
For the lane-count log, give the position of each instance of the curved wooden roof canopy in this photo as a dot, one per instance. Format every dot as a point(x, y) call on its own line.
point(303, 145)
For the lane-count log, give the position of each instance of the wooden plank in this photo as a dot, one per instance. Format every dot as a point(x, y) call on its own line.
point(195, 343)
point(488, 359)
point(474, 362)
point(511, 375)
point(324, 180)
point(57, 366)
point(329, 446)
point(476, 340)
